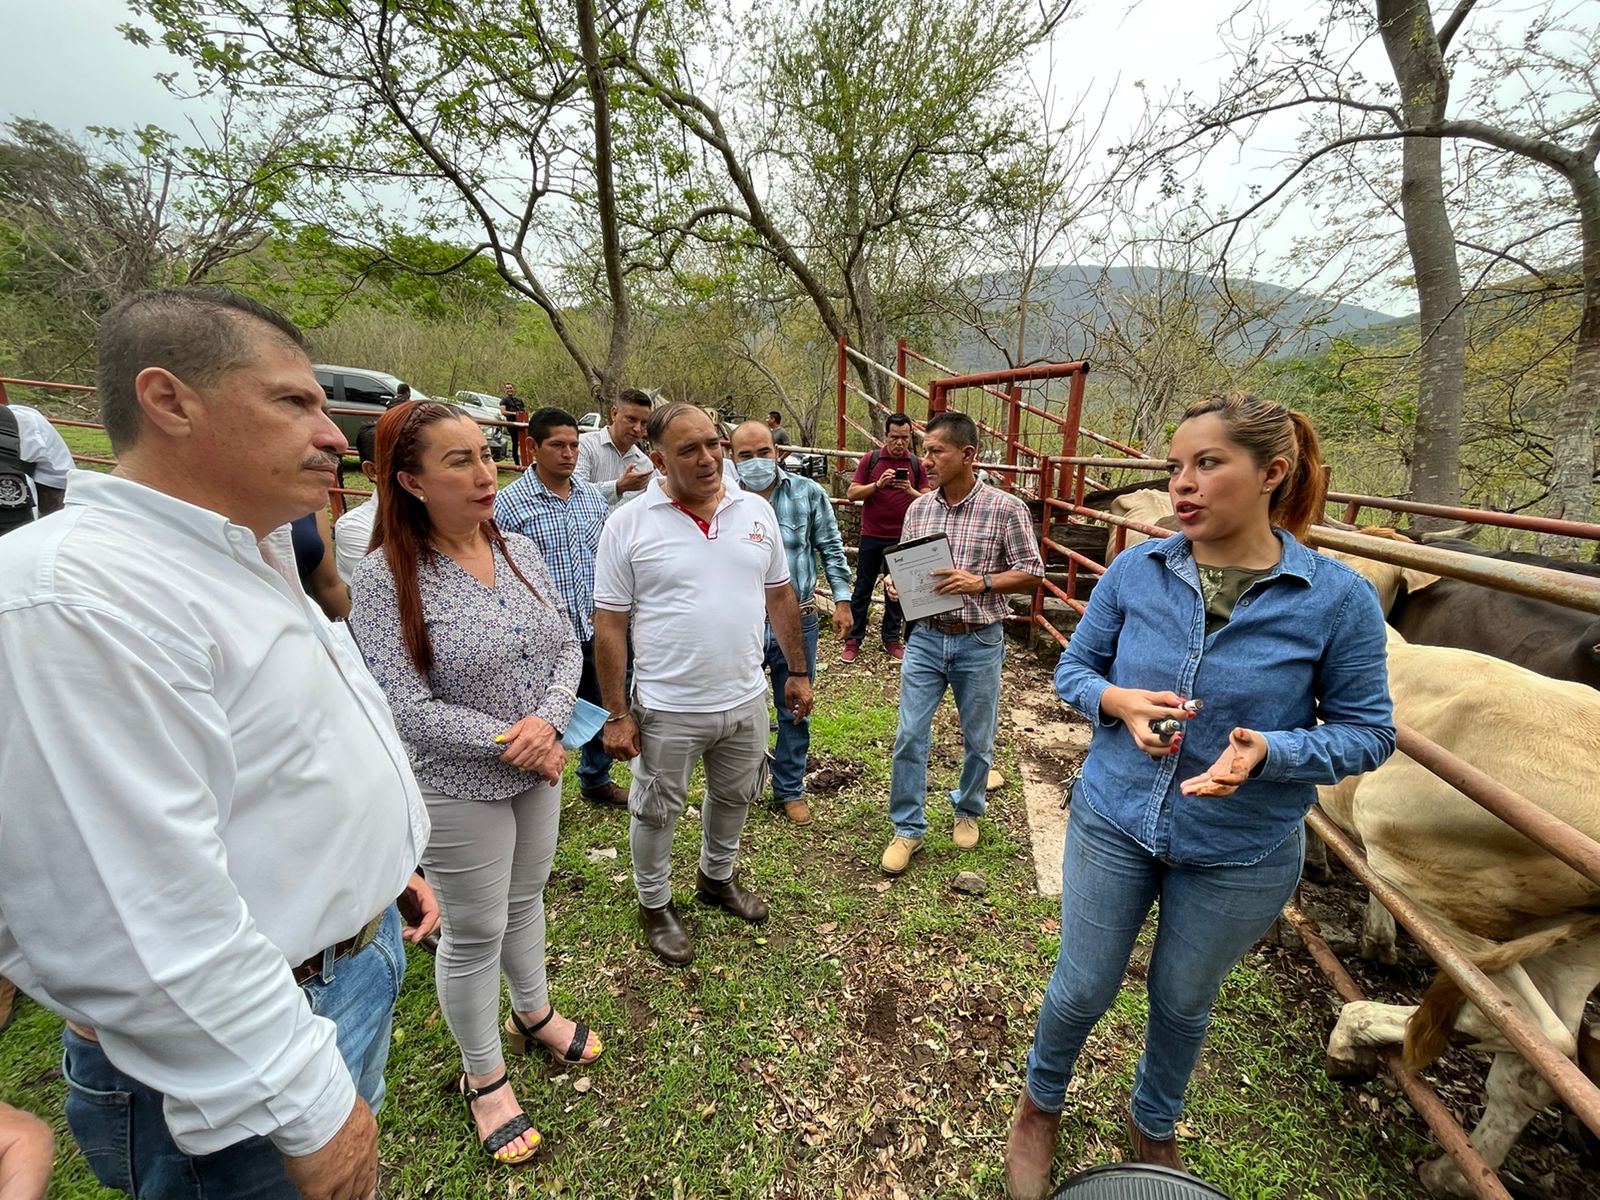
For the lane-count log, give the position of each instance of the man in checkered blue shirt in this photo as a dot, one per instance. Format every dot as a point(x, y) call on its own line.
point(809, 532)
point(563, 516)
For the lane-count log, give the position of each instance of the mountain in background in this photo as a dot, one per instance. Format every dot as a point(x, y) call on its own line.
point(1075, 304)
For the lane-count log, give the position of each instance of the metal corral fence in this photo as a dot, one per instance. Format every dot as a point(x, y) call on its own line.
point(1060, 489)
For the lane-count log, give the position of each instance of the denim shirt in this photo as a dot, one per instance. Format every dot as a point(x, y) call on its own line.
point(1305, 645)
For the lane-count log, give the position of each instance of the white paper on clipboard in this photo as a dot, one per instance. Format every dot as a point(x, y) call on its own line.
point(911, 565)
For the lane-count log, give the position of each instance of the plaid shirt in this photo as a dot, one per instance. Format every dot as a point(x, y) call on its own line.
point(567, 533)
point(809, 529)
point(989, 530)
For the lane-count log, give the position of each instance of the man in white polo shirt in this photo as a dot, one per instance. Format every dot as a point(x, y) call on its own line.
point(700, 568)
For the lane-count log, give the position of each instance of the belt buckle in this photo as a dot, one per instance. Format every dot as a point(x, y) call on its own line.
point(314, 966)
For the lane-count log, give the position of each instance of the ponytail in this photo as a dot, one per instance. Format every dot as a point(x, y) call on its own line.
point(1297, 501)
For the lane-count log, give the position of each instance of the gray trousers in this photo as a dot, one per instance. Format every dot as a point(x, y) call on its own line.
point(733, 746)
point(488, 863)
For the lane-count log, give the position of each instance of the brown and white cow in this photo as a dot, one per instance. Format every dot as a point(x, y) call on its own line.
point(1529, 921)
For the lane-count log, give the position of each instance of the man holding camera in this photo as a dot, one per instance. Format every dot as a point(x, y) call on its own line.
point(886, 482)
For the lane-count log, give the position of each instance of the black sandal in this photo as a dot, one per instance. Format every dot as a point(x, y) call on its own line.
point(508, 1132)
point(523, 1041)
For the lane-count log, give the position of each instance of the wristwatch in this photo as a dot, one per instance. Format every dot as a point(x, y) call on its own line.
point(988, 585)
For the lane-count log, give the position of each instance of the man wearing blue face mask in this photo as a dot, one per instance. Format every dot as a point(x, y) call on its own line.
point(809, 531)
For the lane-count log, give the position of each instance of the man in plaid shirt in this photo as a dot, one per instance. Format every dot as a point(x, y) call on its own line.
point(994, 550)
point(563, 515)
point(809, 530)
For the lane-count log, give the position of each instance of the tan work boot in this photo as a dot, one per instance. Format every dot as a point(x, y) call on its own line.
point(1160, 1152)
point(897, 855)
point(965, 833)
point(1030, 1149)
point(8, 997)
point(798, 812)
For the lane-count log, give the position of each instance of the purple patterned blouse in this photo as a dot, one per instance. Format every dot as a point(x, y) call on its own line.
point(499, 654)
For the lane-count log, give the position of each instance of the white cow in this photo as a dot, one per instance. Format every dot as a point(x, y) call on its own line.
point(1527, 920)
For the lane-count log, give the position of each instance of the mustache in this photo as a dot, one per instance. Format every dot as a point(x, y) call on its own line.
point(320, 462)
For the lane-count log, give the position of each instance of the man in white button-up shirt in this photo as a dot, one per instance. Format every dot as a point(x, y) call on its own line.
point(611, 459)
point(206, 813)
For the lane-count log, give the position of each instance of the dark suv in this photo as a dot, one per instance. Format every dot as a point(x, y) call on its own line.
point(371, 392)
point(356, 387)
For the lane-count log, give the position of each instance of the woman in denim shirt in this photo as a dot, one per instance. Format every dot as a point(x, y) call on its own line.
point(1285, 650)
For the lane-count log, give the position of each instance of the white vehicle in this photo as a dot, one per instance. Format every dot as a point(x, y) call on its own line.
point(483, 407)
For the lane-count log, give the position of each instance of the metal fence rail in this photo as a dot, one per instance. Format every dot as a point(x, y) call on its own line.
point(1453, 1139)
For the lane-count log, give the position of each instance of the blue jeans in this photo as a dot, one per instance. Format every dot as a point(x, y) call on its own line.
point(969, 665)
point(118, 1124)
point(1209, 917)
point(794, 737)
point(594, 764)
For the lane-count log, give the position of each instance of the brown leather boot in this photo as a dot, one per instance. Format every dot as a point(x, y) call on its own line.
point(665, 934)
point(730, 896)
point(8, 997)
point(1030, 1149)
point(608, 793)
point(1160, 1152)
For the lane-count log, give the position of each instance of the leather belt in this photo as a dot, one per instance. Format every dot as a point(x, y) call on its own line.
point(312, 966)
point(955, 628)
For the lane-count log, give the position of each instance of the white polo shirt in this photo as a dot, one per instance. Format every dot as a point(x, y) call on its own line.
point(698, 596)
point(351, 534)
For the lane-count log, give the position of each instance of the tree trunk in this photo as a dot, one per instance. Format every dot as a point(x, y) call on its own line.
point(872, 339)
point(1415, 54)
point(1572, 430)
point(609, 383)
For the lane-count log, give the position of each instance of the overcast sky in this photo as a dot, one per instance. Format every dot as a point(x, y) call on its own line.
point(67, 65)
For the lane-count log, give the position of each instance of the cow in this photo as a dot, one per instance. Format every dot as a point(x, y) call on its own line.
point(1526, 919)
point(1549, 638)
point(1151, 505)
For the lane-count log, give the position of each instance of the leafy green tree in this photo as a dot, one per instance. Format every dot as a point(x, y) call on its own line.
point(488, 122)
point(856, 148)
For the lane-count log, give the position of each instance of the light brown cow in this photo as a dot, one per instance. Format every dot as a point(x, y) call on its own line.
point(1153, 506)
point(1525, 918)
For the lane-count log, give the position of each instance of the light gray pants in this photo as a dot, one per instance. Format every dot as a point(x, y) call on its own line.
point(488, 863)
point(733, 746)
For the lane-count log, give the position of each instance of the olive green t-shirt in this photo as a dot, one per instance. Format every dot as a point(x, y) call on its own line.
point(1221, 588)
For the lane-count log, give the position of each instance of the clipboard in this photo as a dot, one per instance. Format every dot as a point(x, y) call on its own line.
point(911, 565)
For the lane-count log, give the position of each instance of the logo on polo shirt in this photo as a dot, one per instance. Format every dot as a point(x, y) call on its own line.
point(758, 533)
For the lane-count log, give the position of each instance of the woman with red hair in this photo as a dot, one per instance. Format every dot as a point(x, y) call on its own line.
point(434, 614)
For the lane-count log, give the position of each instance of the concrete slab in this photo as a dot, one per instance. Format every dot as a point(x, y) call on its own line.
point(1050, 742)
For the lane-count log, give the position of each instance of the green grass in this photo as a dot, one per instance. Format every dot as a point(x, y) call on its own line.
point(869, 1038)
